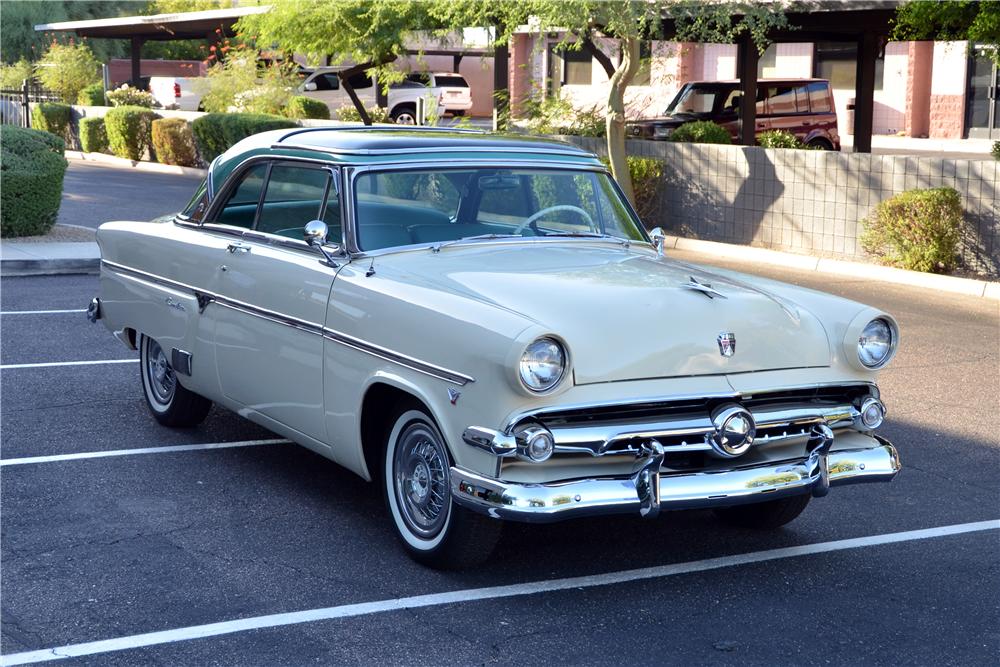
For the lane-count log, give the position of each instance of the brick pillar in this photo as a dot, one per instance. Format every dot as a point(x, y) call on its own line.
point(947, 99)
point(688, 62)
point(519, 72)
point(919, 69)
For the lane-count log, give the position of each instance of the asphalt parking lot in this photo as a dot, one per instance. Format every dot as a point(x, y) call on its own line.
point(263, 553)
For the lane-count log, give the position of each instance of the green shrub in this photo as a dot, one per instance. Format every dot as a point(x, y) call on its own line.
point(306, 107)
point(917, 229)
point(127, 96)
point(129, 130)
point(701, 132)
point(778, 139)
point(12, 76)
point(66, 69)
point(93, 136)
point(996, 150)
point(215, 133)
point(92, 96)
point(555, 114)
point(53, 117)
point(173, 142)
point(243, 84)
point(349, 114)
point(32, 167)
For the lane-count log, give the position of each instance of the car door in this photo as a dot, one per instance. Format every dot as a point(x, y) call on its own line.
point(273, 293)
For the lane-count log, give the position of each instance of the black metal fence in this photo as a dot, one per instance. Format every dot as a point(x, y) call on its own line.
point(14, 103)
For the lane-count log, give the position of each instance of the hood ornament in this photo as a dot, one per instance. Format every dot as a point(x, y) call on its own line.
point(727, 343)
point(704, 288)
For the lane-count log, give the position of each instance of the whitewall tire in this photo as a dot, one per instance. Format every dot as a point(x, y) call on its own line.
point(416, 487)
point(170, 403)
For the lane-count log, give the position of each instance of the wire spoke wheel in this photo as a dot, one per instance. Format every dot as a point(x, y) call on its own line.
point(159, 374)
point(420, 480)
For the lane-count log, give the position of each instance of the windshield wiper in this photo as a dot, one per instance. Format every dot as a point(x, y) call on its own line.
point(480, 237)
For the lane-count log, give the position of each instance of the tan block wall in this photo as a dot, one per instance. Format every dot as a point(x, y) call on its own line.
point(810, 201)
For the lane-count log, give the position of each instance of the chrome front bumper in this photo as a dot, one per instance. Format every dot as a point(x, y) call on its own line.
point(649, 490)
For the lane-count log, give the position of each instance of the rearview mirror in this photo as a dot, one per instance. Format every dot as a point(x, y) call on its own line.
point(659, 239)
point(499, 182)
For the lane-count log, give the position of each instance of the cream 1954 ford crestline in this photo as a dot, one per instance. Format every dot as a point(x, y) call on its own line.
point(482, 325)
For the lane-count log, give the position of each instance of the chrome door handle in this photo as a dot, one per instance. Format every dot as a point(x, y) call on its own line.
point(234, 248)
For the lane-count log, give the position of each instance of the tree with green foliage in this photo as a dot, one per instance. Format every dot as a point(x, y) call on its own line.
point(68, 69)
point(370, 34)
point(969, 20)
point(19, 40)
point(240, 83)
point(13, 76)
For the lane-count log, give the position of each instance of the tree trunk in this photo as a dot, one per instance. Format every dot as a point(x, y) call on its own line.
point(345, 76)
point(616, 113)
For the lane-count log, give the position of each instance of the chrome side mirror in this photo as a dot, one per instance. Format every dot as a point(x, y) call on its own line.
point(314, 234)
point(659, 239)
point(310, 87)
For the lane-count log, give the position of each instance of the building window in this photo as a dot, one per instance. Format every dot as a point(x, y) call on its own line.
point(767, 64)
point(838, 61)
point(578, 66)
point(642, 75)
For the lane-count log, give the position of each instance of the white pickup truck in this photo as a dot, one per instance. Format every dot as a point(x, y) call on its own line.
point(448, 92)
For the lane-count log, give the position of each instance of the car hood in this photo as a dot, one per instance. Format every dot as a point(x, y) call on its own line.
point(626, 314)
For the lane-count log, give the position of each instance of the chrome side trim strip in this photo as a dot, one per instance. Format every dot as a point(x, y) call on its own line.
point(440, 150)
point(398, 358)
point(302, 325)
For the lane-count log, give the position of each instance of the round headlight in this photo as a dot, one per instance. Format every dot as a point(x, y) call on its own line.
point(875, 343)
point(542, 364)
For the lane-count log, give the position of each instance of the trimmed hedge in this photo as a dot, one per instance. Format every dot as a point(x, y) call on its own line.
point(53, 117)
point(92, 96)
point(778, 139)
point(173, 142)
point(996, 150)
point(129, 131)
point(93, 135)
point(917, 229)
point(215, 133)
point(701, 132)
point(306, 107)
point(32, 167)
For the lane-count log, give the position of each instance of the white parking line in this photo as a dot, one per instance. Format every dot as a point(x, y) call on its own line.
point(474, 594)
point(42, 312)
point(49, 364)
point(131, 452)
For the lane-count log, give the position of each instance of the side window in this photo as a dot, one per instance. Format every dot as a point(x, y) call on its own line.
point(293, 198)
point(241, 206)
point(802, 99)
point(819, 99)
point(781, 100)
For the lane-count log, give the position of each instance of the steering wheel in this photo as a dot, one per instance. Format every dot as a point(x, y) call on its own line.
point(559, 207)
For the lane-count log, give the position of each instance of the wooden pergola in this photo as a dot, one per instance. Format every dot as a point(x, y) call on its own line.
point(866, 23)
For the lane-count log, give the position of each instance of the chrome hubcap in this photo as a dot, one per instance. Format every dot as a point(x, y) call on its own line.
point(421, 481)
point(159, 373)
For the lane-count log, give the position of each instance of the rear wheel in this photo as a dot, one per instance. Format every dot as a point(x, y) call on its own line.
point(416, 486)
point(764, 516)
point(405, 114)
point(170, 403)
point(820, 144)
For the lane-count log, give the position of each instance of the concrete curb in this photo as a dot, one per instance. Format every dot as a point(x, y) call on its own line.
point(47, 267)
point(980, 288)
point(123, 163)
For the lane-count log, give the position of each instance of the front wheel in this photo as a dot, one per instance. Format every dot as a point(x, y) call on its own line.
point(170, 403)
point(764, 516)
point(417, 490)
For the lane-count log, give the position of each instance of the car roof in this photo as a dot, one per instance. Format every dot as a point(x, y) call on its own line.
point(392, 144)
point(730, 82)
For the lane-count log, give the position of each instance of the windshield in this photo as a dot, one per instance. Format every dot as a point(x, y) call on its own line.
point(702, 100)
point(398, 208)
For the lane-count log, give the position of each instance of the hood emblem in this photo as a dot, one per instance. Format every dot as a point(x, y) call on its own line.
point(727, 343)
point(704, 288)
